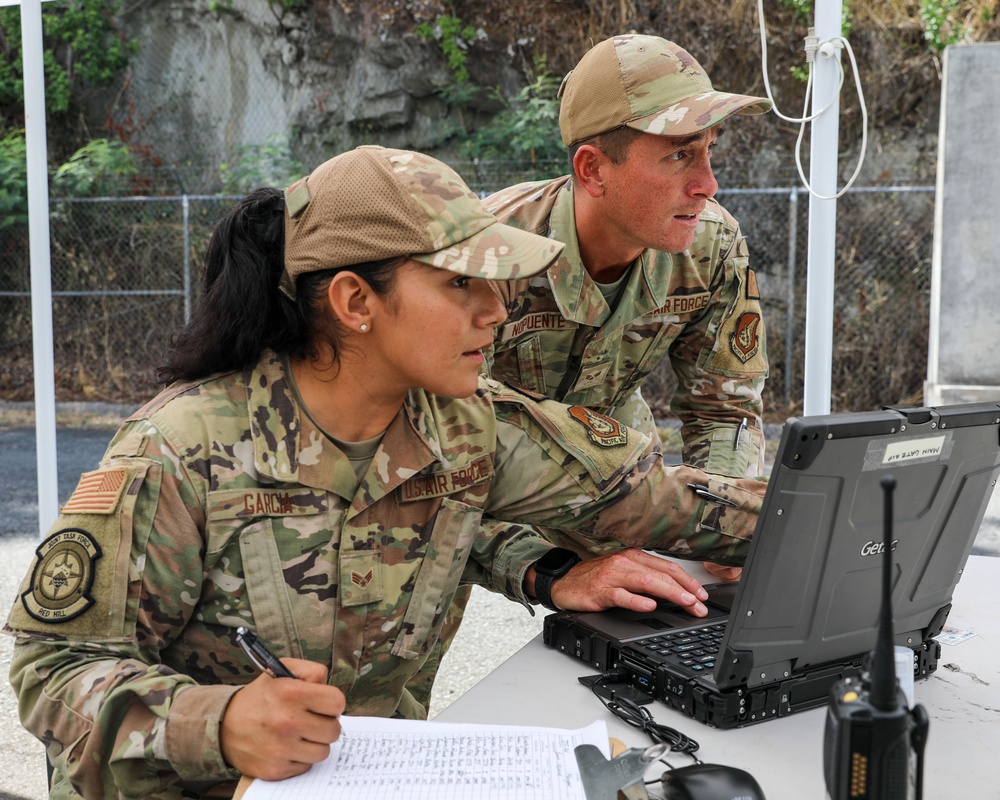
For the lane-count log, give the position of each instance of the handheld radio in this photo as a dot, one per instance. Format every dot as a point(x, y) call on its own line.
point(874, 744)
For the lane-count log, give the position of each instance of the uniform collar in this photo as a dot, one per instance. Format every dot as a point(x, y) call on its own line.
point(290, 448)
point(577, 295)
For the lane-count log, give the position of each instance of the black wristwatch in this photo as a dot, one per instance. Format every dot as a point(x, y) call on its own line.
point(548, 569)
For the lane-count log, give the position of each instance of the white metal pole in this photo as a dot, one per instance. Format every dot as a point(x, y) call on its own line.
point(41, 267)
point(932, 391)
point(822, 244)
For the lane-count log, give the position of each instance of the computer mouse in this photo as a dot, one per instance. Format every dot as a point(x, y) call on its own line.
point(710, 782)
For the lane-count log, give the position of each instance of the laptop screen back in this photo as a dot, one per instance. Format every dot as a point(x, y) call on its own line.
point(811, 589)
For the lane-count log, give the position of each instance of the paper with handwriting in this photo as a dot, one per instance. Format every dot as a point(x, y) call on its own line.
point(414, 760)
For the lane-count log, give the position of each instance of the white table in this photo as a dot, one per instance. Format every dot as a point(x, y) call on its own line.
point(538, 686)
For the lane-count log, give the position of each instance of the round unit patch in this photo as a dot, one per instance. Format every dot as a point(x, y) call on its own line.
point(63, 576)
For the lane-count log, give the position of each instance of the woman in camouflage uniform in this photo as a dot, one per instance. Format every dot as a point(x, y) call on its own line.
point(307, 476)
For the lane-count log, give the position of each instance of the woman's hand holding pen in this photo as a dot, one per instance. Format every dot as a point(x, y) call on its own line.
point(274, 728)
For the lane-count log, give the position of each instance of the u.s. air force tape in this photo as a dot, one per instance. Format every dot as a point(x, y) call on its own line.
point(63, 576)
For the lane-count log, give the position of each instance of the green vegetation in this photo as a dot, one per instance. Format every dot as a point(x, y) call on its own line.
point(13, 179)
point(803, 9)
point(940, 30)
point(83, 46)
point(527, 127)
point(453, 37)
point(804, 12)
point(97, 168)
point(226, 6)
point(267, 164)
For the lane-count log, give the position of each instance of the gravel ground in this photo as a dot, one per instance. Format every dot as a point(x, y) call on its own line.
point(22, 759)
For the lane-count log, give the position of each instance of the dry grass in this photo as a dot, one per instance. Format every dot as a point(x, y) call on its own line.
point(68, 415)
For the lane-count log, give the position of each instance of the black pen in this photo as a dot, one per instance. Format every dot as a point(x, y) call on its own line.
point(703, 491)
point(265, 660)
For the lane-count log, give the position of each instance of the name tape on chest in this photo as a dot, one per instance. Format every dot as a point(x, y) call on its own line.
point(542, 321)
point(259, 502)
point(438, 484)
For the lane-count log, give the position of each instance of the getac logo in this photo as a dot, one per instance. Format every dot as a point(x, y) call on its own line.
point(876, 548)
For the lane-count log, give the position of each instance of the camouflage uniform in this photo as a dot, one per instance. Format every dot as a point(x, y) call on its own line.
point(701, 307)
point(221, 504)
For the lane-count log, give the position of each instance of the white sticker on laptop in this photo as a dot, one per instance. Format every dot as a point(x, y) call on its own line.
point(950, 635)
point(904, 451)
point(913, 450)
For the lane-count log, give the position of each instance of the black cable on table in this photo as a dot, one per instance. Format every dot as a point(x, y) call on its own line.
point(637, 716)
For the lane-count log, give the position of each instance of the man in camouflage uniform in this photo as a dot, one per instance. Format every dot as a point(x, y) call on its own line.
point(592, 328)
point(223, 504)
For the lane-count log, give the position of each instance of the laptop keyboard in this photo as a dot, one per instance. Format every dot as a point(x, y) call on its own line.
point(693, 650)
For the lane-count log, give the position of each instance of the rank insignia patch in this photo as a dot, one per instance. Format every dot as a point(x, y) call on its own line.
point(362, 580)
point(63, 576)
point(744, 342)
point(602, 430)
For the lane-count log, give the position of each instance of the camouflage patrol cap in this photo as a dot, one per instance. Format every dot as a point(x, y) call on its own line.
point(374, 203)
point(645, 83)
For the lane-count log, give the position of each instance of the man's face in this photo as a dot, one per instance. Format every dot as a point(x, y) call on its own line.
point(653, 198)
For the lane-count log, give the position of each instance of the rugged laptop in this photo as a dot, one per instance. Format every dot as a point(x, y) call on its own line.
point(805, 613)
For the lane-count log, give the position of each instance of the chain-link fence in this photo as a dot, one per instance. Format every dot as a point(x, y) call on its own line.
point(881, 294)
point(125, 272)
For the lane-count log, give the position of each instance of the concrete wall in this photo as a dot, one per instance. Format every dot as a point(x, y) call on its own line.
point(964, 346)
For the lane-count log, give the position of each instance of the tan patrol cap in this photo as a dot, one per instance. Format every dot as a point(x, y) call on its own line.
point(645, 83)
point(374, 203)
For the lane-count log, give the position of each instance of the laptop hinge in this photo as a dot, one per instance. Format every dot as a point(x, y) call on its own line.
point(936, 625)
point(735, 668)
point(915, 415)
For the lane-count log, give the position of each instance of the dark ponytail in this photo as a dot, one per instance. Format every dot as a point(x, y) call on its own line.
point(243, 312)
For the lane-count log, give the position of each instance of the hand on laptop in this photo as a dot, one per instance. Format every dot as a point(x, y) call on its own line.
point(722, 572)
point(630, 579)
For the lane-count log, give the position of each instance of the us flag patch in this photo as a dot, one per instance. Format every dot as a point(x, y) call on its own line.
point(97, 492)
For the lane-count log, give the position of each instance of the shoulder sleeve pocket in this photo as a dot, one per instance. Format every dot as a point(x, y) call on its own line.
point(78, 584)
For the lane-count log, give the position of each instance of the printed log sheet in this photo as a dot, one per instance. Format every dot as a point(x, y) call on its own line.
point(412, 760)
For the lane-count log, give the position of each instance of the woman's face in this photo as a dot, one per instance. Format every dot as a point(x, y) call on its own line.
point(434, 329)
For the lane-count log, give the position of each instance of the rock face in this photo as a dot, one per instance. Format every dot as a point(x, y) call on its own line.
point(326, 78)
point(215, 76)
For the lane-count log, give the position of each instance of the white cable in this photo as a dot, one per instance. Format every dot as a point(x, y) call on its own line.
point(812, 46)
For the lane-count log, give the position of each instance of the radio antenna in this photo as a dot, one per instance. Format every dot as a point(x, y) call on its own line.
point(883, 668)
